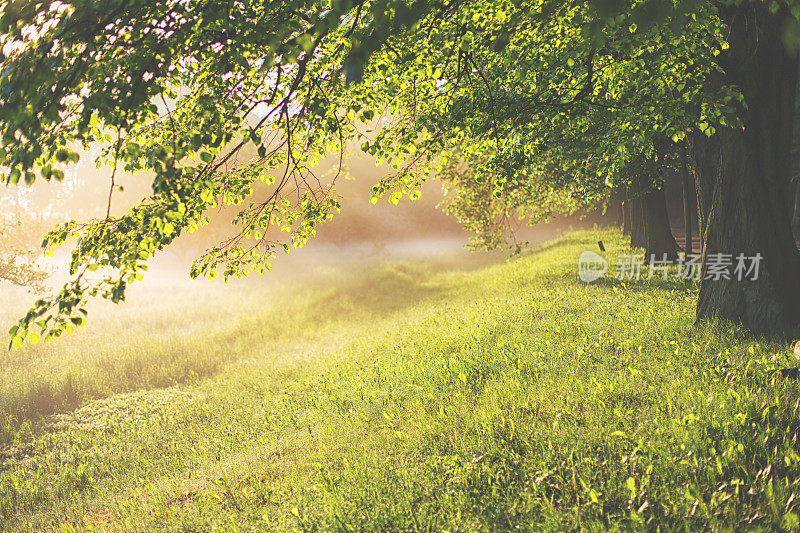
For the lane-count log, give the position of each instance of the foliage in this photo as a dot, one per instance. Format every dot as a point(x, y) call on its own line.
point(148, 79)
point(546, 100)
point(540, 114)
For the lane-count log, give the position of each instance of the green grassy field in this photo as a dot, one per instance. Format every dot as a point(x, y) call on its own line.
point(404, 397)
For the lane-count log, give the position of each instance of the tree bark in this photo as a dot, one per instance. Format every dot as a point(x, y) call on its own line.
point(658, 238)
point(686, 188)
point(626, 213)
point(749, 213)
point(637, 218)
point(707, 162)
point(796, 207)
point(619, 213)
point(613, 211)
point(795, 186)
point(649, 221)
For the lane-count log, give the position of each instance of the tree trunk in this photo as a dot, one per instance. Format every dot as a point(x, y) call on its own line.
point(658, 238)
point(796, 207)
point(686, 187)
point(626, 213)
point(795, 187)
point(707, 163)
point(613, 211)
point(637, 219)
point(749, 213)
point(619, 214)
point(649, 221)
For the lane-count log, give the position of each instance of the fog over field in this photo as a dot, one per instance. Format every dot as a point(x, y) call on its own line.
point(363, 232)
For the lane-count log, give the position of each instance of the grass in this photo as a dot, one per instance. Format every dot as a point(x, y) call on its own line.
point(407, 397)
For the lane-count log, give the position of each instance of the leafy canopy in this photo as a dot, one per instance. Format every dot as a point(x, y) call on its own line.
point(544, 103)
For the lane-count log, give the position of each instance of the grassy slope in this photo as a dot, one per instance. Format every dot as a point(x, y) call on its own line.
point(404, 398)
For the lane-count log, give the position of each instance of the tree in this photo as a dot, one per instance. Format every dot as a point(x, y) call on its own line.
point(147, 80)
point(741, 101)
point(541, 91)
point(749, 212)
point(555, 118)
point(652, 225)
